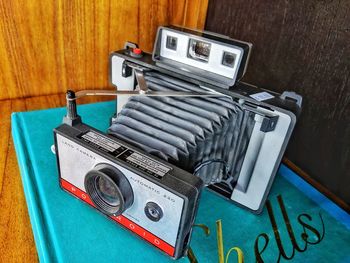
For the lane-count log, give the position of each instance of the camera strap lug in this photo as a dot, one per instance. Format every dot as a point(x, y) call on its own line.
point(126, 70)
point(293, 96)
point(269, 123)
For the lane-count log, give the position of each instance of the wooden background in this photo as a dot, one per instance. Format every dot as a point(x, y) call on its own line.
point(302, 46)
point(47, 46)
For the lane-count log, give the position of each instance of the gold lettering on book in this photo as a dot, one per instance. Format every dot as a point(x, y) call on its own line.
point(309, 236)
point(220, 240)
point(303, 219)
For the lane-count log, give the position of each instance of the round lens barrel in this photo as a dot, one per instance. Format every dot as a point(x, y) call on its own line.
point(109, 189)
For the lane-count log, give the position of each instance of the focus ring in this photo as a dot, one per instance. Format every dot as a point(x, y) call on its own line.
point(109, 189)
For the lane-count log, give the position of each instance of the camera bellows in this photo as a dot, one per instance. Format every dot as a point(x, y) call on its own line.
point(205, 136)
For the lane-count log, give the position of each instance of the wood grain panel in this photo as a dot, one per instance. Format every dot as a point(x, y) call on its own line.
point(188, 13)
point(302, 46)
point(16, 238)
point(49, 46)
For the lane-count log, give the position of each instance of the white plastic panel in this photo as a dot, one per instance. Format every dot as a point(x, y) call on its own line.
point(214, 64)
point(251, 195)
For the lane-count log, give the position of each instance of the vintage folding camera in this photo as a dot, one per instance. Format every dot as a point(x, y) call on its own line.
point(233, 141)
point(183, 121)
point(152, 198)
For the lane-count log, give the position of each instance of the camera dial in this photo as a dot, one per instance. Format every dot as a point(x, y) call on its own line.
point(153, 211)
point(109, 189)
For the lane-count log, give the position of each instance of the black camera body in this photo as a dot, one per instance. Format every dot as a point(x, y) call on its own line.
point(151, 198)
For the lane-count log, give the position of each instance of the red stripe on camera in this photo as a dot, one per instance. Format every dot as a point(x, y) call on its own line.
point(154, 240)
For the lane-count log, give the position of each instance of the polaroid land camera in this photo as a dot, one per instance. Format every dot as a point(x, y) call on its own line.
point(183, 121)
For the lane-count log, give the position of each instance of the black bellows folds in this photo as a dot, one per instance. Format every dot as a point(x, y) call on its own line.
point(205, 136)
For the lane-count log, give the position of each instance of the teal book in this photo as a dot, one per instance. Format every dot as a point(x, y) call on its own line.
point(298, 223)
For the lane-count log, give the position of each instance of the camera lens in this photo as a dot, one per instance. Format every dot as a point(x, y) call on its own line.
point(199, 50)
point(109, 189)
point(153, 211)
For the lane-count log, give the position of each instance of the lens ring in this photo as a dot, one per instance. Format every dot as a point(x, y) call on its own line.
point(102, 203)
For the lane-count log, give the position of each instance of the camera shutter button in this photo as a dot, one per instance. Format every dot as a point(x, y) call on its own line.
point(136, 52)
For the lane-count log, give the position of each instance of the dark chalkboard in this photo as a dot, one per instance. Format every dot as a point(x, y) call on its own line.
point(302, 46)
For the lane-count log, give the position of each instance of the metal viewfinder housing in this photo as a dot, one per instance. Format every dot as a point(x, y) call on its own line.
point(218, 58)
